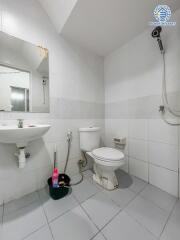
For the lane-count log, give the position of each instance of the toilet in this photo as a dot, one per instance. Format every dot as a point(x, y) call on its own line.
point(106, 160)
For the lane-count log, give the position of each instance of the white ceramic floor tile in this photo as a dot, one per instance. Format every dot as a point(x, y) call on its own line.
point(159, 197)
point(125, 228)
point(1, 230)
point(42, 234)
point(101, 209)
point(55, 208)
point(88, 173)
point(148, 214)
point(21, 223)
point(1, 212)
point(84, 190)
point(172, 229)
point(121, 196)
point(74, 225)
point(137, 184)
point(176, 211)
point(99, 237)
point(20, 203)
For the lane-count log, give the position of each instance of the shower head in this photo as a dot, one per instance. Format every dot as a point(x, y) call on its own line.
point(156, 33)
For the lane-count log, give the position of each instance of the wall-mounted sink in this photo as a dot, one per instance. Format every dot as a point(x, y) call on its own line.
point(21, 137)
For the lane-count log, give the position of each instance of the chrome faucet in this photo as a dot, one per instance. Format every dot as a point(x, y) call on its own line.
point(20, 123)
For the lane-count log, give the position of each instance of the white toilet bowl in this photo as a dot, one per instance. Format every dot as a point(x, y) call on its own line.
point(106, 161)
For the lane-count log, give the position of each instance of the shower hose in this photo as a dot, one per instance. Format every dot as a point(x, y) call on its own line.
point(165, 101)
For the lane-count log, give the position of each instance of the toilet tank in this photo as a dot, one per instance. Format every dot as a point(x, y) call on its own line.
point(89, 138)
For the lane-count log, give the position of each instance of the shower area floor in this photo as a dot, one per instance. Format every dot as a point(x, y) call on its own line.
point(136, 210)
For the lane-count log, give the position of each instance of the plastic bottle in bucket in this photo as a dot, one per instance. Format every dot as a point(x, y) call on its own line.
point(55, 175)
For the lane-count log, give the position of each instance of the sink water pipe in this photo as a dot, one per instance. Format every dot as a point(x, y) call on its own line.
point(22, 156)
point(21, 135)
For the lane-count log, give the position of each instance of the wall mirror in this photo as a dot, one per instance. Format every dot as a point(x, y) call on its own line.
point(24, 76)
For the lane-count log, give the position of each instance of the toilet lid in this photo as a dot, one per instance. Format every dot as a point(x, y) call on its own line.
point(108, 154)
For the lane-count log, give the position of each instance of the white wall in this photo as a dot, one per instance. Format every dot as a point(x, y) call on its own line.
point(76, 99)
point(133, 78)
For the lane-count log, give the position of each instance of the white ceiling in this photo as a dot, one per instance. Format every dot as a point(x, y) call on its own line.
point(58, 11)
point(102, 25)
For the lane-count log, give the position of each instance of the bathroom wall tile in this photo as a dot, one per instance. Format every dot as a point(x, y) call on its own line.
point(1, 212)
point(39, 156)
point(26, 183)
point(41, 179)
point(117, 110)
point(164, 179)
point(138, 168)
point(138, 128)
point(164, 155)
point(144, 107)
point(83, 104)
point(0, 15)
point(138, 149)
point(160, 131)
point(125, 167)
point(133, 91)
point(116, 128)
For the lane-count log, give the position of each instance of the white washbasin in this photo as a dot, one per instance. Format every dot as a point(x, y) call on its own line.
point(21, 136)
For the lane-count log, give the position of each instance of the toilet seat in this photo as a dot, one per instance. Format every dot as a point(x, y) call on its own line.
point(106, 155)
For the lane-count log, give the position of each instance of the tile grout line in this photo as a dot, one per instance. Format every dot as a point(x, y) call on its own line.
point(170, 214)
point(121, 209)
point(178, 163)
point(24, 238)
point(138, 195)
point(150, 163)
point(140, 224)
point(45, 216)
point(3, 213)
point(146, 199)
point(55, 218)
point(147, 133)
point(84, 210)
point(157, 237)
